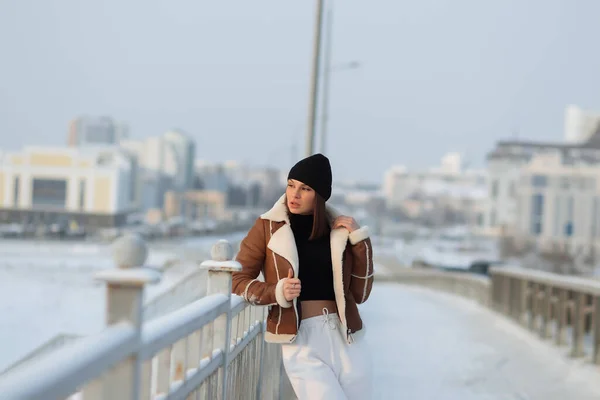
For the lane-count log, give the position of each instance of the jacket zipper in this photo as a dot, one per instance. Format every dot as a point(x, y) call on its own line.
point(350, 337)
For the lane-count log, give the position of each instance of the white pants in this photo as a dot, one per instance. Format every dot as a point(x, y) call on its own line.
point(322, 365)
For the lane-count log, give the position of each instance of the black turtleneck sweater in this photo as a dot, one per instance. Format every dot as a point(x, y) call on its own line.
point(315, 269)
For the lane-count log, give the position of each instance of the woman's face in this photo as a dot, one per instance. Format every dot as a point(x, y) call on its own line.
point(300, 197)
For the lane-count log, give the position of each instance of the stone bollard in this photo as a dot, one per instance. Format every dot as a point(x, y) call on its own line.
point(124, 303)
point(220, 268)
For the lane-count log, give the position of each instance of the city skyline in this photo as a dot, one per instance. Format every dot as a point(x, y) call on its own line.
point(435, 77)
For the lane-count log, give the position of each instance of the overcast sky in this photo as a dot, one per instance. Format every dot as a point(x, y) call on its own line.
point(437, 75)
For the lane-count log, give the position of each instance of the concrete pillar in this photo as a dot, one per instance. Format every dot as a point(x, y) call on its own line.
point(220, 269)
point(124, 303)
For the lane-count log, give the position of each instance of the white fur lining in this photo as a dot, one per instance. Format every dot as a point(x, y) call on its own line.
point(281, 300)
point(359, 235)
point(248, 287)
point(283, 243)
point(278, 278)
point(338, 240)
point(363, 277)
point(279, 338)
point(278, 213)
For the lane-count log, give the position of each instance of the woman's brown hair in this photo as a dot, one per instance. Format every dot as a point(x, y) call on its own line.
point(320, 218)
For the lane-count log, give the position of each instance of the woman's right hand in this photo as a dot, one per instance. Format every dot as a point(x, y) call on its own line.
point(291, 287)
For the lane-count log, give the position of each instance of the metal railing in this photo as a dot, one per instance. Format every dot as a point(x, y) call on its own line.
point(212, 348)
point(551, 305)
point(563, 308)
point(473, 287)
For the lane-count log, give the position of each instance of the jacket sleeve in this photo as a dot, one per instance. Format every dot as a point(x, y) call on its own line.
point(361, 280)
point(252, 257)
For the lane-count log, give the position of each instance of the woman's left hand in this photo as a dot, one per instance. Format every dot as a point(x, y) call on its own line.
point(346, 222)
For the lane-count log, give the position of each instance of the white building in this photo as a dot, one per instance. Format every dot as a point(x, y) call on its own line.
point(504, 168)
point(450, 181)
point(167, 164)
point(185, 154)
point(397, 186)
point(212, 176)
point(264, 185)
point(452, 163)
point(509, 167)
point(559, 198)
point(95, 187)
point(580, 125)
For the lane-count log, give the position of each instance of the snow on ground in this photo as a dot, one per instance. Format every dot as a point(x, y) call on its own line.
point(47, 288)
point(430, 345)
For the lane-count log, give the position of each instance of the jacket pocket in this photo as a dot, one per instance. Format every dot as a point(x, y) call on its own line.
point(274, 312)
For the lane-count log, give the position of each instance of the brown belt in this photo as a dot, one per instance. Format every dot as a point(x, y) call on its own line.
point(314, 308)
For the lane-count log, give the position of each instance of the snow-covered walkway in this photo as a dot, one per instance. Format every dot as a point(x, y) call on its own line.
point(429, 345)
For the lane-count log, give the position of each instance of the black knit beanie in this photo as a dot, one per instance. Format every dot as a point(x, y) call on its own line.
point(314, 171)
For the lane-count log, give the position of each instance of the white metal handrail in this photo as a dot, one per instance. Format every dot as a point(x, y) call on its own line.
point(209, 349)
point(59, 374)
point(166, 330)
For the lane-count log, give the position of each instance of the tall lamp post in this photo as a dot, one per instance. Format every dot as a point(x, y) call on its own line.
point(325, 110)
point(313, 105)
point(326, 77)
point(314, 94)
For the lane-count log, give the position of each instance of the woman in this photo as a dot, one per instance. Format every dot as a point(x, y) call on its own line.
point(317, 267)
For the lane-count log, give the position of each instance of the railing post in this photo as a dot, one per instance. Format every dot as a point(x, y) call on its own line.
point(546, 329)
point(506, 292)
point(493, 290)
point(562, 309)
point(262, 344)
point(596, 331)
point(124, 303)
point(578, 323)
point(220, 268)
point(535, 305)
point(522, 301)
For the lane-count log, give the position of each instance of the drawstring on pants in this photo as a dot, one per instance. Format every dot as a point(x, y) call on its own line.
point(327, 320)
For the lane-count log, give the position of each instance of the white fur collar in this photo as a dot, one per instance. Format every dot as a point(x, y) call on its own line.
point(282, 242)
point(279, 212)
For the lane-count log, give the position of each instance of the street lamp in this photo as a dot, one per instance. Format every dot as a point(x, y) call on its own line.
point(326, 78)
point(314, 94)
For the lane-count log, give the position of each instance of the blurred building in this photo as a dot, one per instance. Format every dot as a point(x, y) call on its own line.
point(184, 149)
point(166, 164)
point(94, 187)
point(580, 125)
point(558, 199)
point(511, 160)
point(211, 176)
point(86, 131)
point(196, 205)
point(450, 187)
point(246, 186)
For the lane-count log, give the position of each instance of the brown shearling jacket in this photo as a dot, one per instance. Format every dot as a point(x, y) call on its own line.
point(269, 247)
